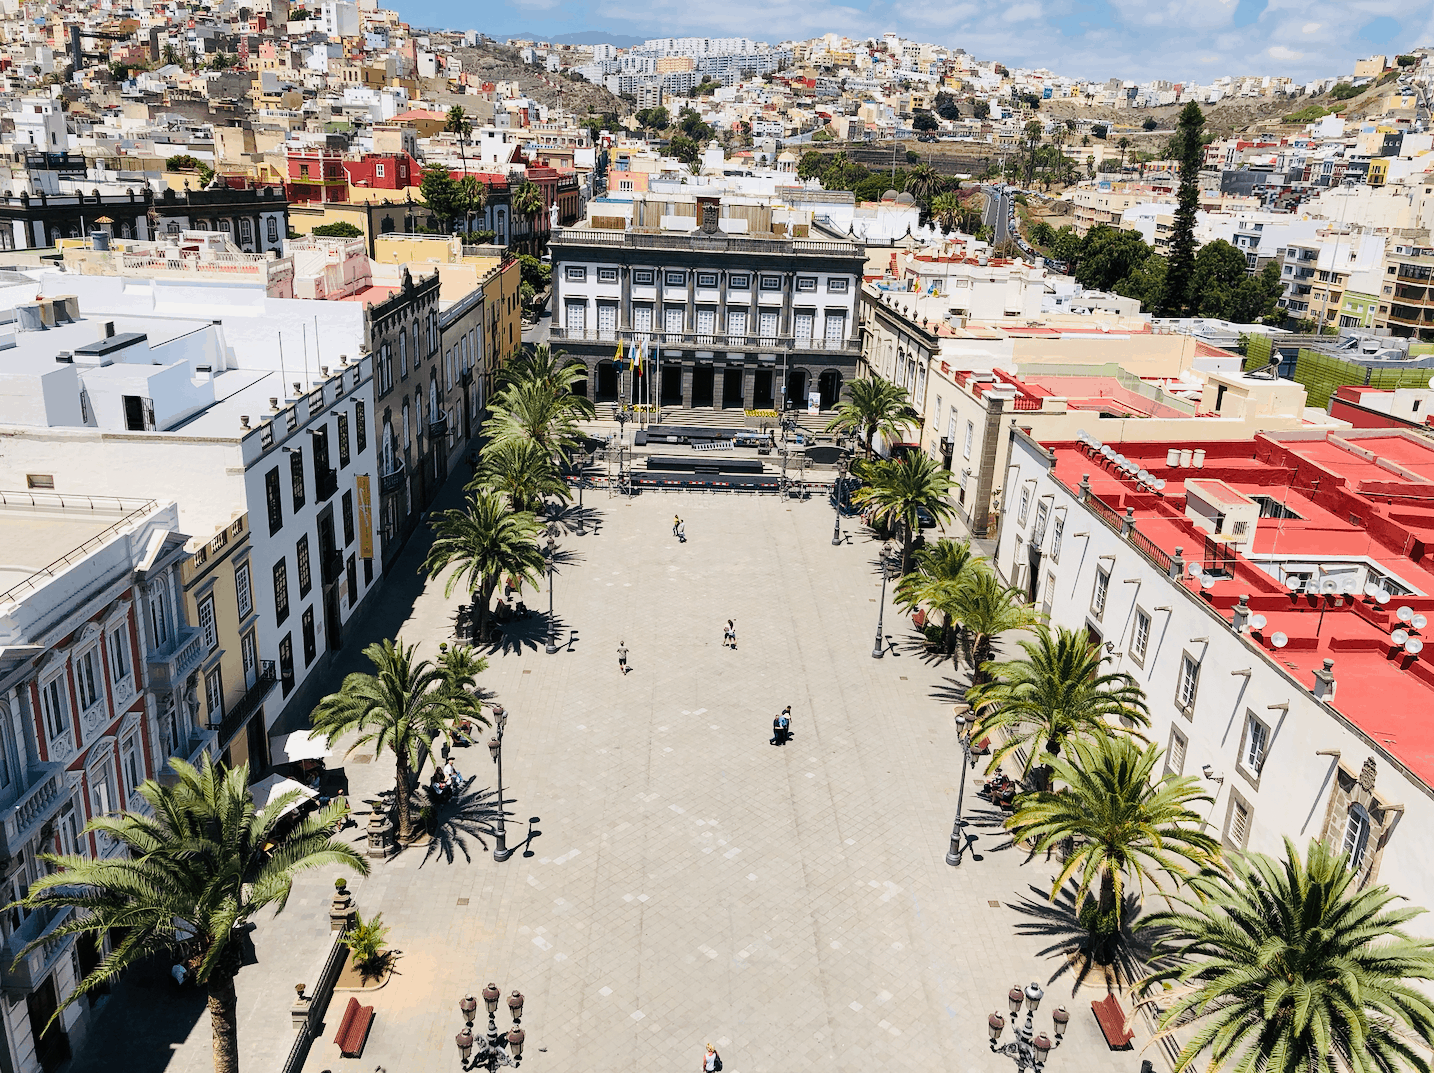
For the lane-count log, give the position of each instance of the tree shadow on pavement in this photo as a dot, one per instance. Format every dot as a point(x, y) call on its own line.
point(469, 816)
point(1117, 961)
point(150, 1014)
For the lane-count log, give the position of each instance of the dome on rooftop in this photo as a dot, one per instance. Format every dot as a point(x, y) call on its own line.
point(890, 195)
point(904, 198)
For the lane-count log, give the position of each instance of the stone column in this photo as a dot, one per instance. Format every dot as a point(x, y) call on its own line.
point(687, 370)
point(624, 310)
point(749, 385)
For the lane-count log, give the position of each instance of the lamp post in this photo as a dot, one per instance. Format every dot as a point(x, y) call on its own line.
point(879, 649)
point(968, 760)
point(836, 502)
point(1028, 1050)
point(552, 627)
point(582, 479)
point(491, 1052)
point(501, 852)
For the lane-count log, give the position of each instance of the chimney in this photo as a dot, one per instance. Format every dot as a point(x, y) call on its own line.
point(1324, 682)
point(107, 330)
point(1242, 614)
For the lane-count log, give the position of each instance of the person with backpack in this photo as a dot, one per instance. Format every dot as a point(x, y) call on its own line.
point(711, 1060)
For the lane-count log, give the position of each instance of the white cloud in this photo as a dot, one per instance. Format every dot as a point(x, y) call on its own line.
point(1310, 27)
point(1284, 55)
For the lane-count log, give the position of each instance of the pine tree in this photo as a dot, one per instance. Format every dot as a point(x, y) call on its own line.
point(1190, 153)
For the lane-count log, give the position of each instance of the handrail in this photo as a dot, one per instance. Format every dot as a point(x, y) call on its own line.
point(98, 540)
point(714, 339)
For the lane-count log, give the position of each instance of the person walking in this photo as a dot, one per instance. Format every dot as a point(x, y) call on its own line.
point(782, 726)
point(729, 635)
point(711, 1060)
point(681, 531)
point(676, 521)
point(622, 656)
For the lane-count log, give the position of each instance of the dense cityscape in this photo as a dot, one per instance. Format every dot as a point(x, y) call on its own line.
point(449, 483)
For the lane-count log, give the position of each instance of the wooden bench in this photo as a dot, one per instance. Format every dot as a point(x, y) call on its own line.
point(1111, 1019)
point(353, 1029)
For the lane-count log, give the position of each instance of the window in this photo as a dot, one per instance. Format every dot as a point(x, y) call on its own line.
point(1025, 510)
point(706, 279)
point(286, 663)
point(1100, 593)
point(1058, 531)
point(207, 625)
point(272, 231)
point(307, 622)
point(343, 440)
point(575, 315)
point(575, 273)
point(1356, 836)
point(348, 514)
point(835, 327)
point(403, 356)
point(806, 284)
point(966, 453)
point(837, 286)
point(214, 696)
point(131, 766)
point(1257, 741)
point(378, 170)
point(1237, 823)
point(87, 682)
point(1175, 755)
point(1140, 636)
point(674, 279)
point(159, 617)
point(296, 476)
point(281, 591)
point(739, 283)
point(642, 277)
point(1189, 682)
point(771, 283)
point(607, 275)
point(119, 655)
point(301, 557)
point(243, 591)
point(39, 480)
point(56, 708)
point(360, 429)
point(274, 500)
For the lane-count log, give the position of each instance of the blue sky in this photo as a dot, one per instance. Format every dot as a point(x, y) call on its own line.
point(1140, 39)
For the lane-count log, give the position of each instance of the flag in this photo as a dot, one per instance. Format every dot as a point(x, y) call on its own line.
point(617, 358)
point(637, 356)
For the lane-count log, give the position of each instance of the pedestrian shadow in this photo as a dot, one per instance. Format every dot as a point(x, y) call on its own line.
point(1118, 960)
point(469, 816)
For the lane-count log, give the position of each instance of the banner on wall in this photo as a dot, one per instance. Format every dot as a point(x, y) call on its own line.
point(365, 517)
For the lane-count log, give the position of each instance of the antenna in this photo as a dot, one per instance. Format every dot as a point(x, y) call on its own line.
point(1414, 646)
point(1194, 569)
point(1258, 622)
point(1405, 613)
point(1207, 581)
point(1381, 597)
point(1399, 636)
point(1329, 585)
point(1278, 639)
point(1419, 622)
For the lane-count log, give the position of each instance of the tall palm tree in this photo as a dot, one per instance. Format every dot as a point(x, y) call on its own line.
point(941, 570)
point(473, 192)
point(1056, 693)
point(537, 411)
point(196, 868)
point(482, 545)
point(522, 470)
point(546, 366)
point(922, 182)
point(873, 405)
point(458, 123)
point(1118, 821)
point(1289, 967)
point(403, 708)
point(946, 210)
point(897, 492)
point(985, 608)
point(528, 201)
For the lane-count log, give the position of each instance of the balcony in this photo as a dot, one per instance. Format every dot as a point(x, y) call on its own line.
point(20, 821)
point(466, 377)
point(23, 976)
point(390, 481)
point(170, 666)
point(331, 566)
point(718, 341)
point(438, 427)
point(240, 713)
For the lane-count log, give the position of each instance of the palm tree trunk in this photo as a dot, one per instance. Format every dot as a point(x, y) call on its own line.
point(223, 1019)
point(906, 540)
point(1106, 905)
point(405, 813)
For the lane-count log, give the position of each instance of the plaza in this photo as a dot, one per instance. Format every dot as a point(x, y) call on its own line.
point(685, 881)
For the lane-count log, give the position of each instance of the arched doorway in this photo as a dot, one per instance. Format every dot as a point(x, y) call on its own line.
point(606, 382)
point(796, 389)
point(829, 385)
point(580, 386)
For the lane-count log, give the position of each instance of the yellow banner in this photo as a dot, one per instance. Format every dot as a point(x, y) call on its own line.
point(365, 517)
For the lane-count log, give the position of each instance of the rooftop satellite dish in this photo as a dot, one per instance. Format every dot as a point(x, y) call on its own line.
point(1143, 476)
point(1329, 585)
point(1278, 639)
point(1414, 646)
point(1207, 581)
point(1194, 569)
point(1371, 589)
point(1382, 597)
point(1160, 484)
point(1294, 583)
point(1405, 613)
point(1082, 435)
point(1399, 636)
point(1096, 445)
point(1106, 450)
point(1258, 622)
point(1346, 586)
point(1419, 622)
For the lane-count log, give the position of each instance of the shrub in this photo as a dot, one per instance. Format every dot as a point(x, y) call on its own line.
point(365, 940)
point(337, 229)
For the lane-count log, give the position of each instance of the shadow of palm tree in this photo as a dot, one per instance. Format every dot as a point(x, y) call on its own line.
point(471, 814)
point(1117, 960)
point(530, 631)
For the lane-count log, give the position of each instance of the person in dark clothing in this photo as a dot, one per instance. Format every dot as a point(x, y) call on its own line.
point(782, 726)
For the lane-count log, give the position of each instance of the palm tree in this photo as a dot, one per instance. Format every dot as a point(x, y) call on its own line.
point(1289, 967)
point(985, 608)
point(543, 365)
point(458, 123)
point(1124, 144)
point(537, 411)
point(522, 470)
point(1117, 821)
point(473, 192)
point(873, 405)
point(528, 201)
point(196, 869)
point(1057, 693)
point(403, 707)
point(897, 493)
point(482, 545)
point(941, 570)
point(922, 182)
point(946, 210)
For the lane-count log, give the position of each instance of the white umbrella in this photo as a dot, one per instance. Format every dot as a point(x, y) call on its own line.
point(289, 748)
point(276, 786)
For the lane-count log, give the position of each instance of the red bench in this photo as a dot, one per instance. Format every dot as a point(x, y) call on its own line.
point(353, 1029)
point(1111, 1019)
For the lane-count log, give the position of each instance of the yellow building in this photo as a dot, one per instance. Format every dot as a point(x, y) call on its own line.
point(381, 216)
point(1378, 171)
point(234, 678)
point(503, 301)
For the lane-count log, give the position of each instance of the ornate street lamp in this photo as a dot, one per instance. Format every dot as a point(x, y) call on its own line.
point(491, 1052)
point(879, 649)
point(551, 550)
point(837, 486)
point(1028, 1050)
point(968, 760)
point(501, 852)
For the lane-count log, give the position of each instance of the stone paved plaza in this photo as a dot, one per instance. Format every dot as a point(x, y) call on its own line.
point(691, 882)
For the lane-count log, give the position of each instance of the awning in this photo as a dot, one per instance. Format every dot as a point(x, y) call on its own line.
point(288, 748)
point(275, 786)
